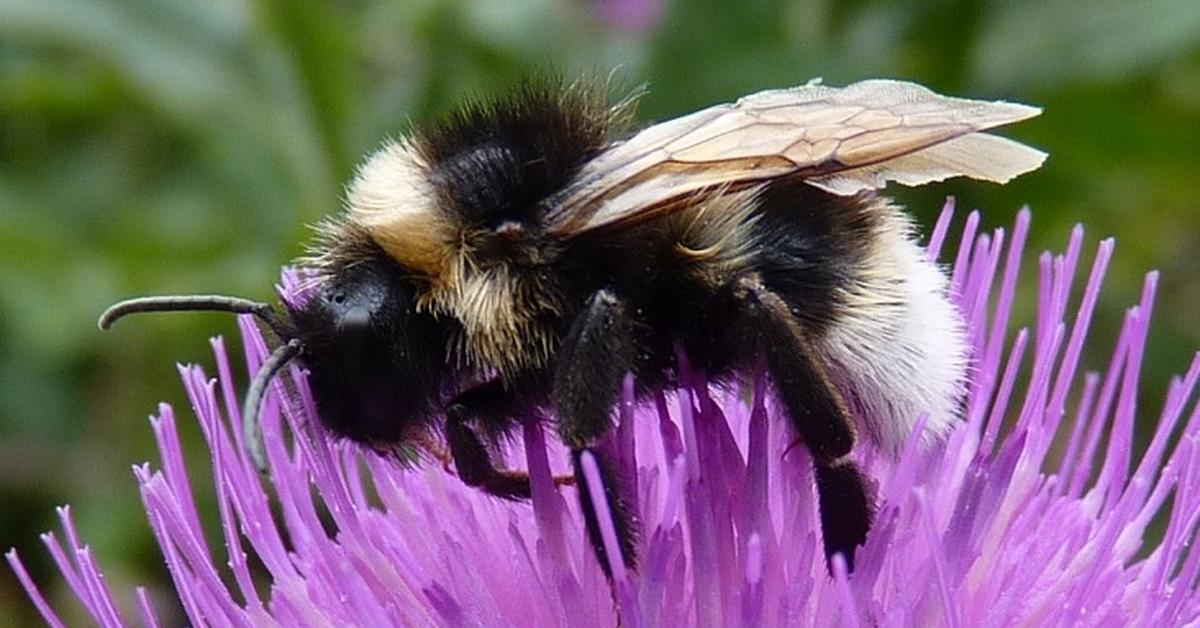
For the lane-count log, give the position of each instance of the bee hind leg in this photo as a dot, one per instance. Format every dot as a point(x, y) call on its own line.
point(818, 414)
point(596, 355)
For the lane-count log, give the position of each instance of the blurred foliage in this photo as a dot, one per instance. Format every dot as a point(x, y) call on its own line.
point(156, 146)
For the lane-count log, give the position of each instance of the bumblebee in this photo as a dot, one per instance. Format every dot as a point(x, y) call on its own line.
point(525, 254)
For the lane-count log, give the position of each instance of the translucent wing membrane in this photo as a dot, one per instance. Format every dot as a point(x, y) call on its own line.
point(843, 140)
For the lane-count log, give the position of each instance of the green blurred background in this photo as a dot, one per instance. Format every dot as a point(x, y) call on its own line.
point(151, 146)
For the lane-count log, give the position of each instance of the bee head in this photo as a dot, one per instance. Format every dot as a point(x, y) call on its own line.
point(374, 360)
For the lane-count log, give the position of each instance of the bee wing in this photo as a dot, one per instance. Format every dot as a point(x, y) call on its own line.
point(843, 140)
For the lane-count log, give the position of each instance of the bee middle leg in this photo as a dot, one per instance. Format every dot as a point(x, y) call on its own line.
point(817, 411)
point(596, 355)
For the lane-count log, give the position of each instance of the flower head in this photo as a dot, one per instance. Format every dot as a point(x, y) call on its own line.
point(1027, 513)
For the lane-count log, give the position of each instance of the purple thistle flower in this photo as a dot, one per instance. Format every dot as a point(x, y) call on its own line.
point(989, 528)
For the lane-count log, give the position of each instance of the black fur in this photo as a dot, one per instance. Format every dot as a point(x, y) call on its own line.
point(376, 376)
point(494, 161)
point(812, 243)
point(602, 337)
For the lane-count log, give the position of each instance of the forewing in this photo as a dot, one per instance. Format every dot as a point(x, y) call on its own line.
point(843, 140)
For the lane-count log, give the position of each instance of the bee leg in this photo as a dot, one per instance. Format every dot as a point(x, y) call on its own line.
point(596, 355)
point(847, 508)
point(435, 450)
point(487, 402)
point(475, 467)
point(818, 413)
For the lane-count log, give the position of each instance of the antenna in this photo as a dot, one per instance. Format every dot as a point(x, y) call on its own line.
point(192, 303)
point(251, 427)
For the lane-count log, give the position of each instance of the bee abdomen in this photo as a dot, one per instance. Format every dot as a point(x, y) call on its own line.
point(897, 348)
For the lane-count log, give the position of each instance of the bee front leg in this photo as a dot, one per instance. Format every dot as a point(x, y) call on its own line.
point(474, 463)
point(486, 403)
point(817, 411)
point(596, 355)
